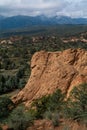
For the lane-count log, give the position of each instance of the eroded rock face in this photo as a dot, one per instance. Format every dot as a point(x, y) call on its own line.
point(54, 70)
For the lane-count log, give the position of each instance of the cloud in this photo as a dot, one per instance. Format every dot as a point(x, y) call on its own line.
point(71, 8)
point(76, 9)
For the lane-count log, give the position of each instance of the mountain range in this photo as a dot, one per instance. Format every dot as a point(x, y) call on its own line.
point(20, 21)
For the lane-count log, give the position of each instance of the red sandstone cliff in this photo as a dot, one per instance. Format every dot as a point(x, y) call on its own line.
point(53, 70)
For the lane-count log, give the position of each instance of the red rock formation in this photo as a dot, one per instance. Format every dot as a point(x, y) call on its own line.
point(54, 70)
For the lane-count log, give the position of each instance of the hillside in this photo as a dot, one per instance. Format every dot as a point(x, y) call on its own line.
point(59, 63)
point(16, 53)
point(54, 70)
point(20, 21)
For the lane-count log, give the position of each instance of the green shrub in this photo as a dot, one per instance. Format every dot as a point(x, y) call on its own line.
point(52, 116)
point(20, 119)
point(66, 128)
point(56, 101)
point(22, 83)
point(6, 105)
point(55, 119)
point(41, 106)
point(0, 128)
point(20, 72)
point(50, 103)
point(47, 115)
point(77, 104)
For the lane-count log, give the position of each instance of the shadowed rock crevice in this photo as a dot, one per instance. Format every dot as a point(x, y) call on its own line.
point(46, 63)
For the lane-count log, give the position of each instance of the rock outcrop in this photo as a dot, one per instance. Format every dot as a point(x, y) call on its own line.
point(54, 70)
point(48, 125)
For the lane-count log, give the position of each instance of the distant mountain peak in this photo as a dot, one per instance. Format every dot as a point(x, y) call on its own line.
point(21, 21)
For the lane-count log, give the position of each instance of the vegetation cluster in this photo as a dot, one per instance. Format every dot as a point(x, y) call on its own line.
point(52, 107)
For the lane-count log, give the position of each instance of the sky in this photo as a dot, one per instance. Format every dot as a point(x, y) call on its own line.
point(72, 8)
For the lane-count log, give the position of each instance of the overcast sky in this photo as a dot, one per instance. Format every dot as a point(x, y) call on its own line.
point(73, 8)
